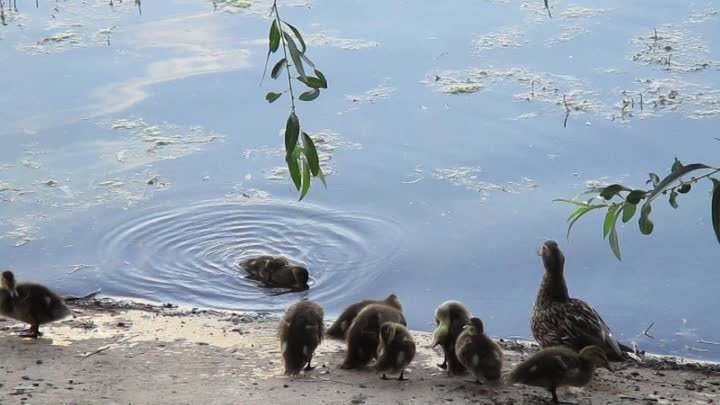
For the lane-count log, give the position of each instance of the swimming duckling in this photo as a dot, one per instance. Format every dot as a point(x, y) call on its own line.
point(30, 303)
point(300, 332)
point(340, 326)
point(395, 351)
point(363, 336)
point(478, 353)
point(295, 277)
point(255, 266)
point(558, 319)
point(558, 366)
point(450, 318)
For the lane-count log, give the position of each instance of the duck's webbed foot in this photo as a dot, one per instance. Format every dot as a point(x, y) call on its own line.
point(401, 377)
point(33, 332)
point(309, 367)
point(384, 377)
point(443, 365)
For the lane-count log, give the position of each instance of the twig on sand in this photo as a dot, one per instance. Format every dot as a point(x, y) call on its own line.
point(110, 346)
point(646, 333)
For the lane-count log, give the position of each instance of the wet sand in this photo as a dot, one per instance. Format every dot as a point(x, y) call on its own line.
point(118, 352)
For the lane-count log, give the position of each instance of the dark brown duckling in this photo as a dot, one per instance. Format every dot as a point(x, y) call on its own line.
point(295, 277)
point(559, 366)
point(255, 266)
point(363, 336)
point(450, 318)
point(558, 319)
point(342, 323)
point(31, 303)
point(395, 351)
point(300, 333)
point(478, 353)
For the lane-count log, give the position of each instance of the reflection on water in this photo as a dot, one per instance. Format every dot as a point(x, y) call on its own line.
point(194, 252)
point(117, 121)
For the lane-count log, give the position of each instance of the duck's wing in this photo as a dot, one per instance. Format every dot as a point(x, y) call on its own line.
point(584, 326)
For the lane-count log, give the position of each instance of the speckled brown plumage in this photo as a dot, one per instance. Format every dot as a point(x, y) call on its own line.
point(395, 351)
point(363, 336)
point(300, 332)
point(478, 353)
point(558, 319)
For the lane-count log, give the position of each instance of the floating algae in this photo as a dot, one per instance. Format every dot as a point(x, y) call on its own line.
point(468, 177)
point(329, 39)
point(507, 37)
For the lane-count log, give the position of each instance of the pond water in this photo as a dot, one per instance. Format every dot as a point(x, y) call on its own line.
point(139, 156)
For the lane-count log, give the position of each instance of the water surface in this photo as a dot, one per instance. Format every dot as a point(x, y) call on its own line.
point(140, 157)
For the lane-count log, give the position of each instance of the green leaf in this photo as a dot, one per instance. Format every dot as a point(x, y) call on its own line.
point(298, 36)
point(278, 68)
point(715, 208)
point(635, 196)
point(577, 214)
point(274, 37)
point(292, 163)
point(610, 191)
point(676, 165)
point(311, 154)
point(684, 189)
point(673, 199)
point(307, 60)
point(628, 212)
point(292, 133)
point(310, 95)
point(646, 225)
point(654, 179)
point(676, 175)
point(313, 82)
point(294, 54)
point(614, 243)
point(321, 176)
point(270, 97)
point(574, 202)
point(610, 218)
point(306, 178)
point(322, 78)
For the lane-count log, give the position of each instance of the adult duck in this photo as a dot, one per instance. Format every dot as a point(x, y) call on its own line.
point(558, 319)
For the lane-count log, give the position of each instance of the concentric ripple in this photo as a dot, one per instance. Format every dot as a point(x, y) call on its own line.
point(190, 254)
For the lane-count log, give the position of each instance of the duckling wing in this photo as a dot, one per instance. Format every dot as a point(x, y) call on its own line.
point(544, 369)
point(584, 326)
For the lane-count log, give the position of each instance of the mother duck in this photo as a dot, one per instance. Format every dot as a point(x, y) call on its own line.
point(558, 320)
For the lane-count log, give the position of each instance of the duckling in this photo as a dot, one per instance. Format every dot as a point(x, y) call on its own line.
point(395, 351)
point(257, 265)
point(363, 336)
point(295, 277)
point(558, 366)
point(558, 319)
point(450, 318)
point(300, 333)
point(342, 323)
point(30, 303)
point(478, 353)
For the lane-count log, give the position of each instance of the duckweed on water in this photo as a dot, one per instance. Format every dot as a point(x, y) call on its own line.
point(468, 177)
point(328, 39)
point(381, 92)
point(505, 37)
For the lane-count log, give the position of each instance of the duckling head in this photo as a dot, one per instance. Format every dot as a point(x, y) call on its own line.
point(552, 256)
point(8, 283)
point(474, 326)
point(596, 355)
point(301, 276)
point(388, 331)
point(393, 301)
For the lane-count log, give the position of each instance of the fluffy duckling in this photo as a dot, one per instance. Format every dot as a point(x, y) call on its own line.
point(558, 319)
point(342, 323)
point(559, 366)
point(363, 336)
point(300, 333)
point(295, 277)
point(257, 266)
point(31, 303)
point(478, 353)
point(450, 318)
point(395, 351)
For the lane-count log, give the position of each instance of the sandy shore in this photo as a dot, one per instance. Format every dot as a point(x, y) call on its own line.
point(117, 352)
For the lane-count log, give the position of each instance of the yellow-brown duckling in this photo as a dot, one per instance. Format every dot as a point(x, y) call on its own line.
point(277, 272)
point(395, 351)
point(363, 336)
point(342, 323)
point(559, 366)
point(300, 333)
point(31, 303)
point(450, 318)
point(478, 353)
point(257, 266)
point(558, 320)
